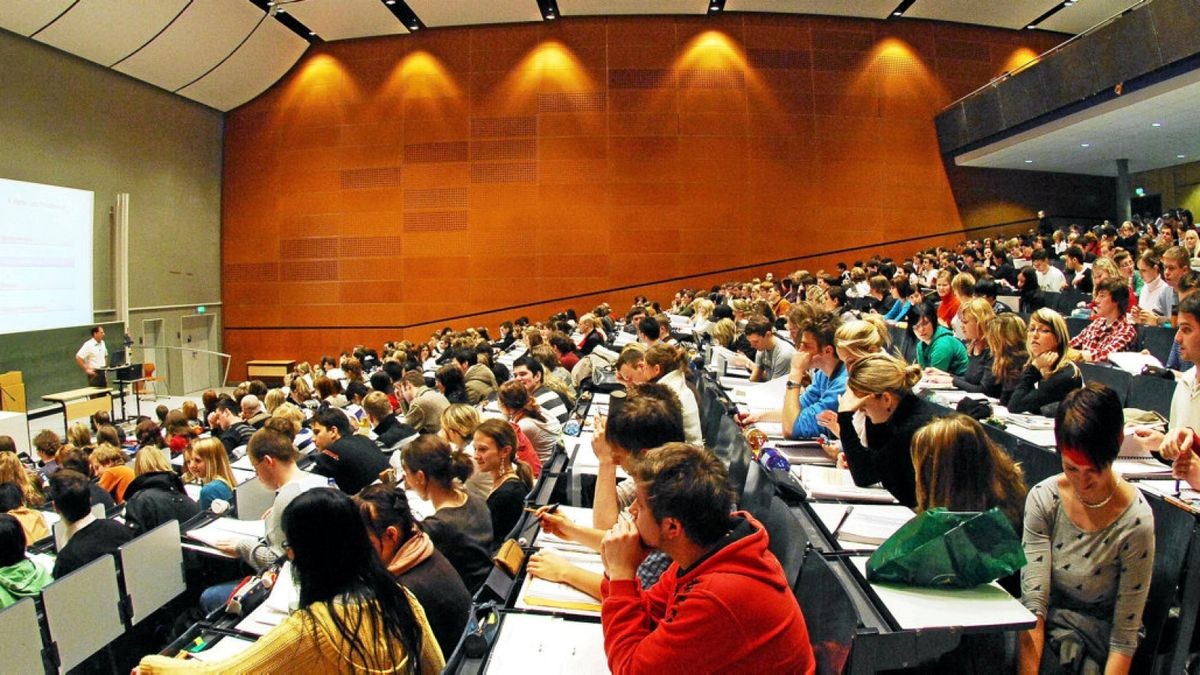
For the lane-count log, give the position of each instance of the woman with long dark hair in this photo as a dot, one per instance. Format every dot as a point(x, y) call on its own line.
point(353, 617)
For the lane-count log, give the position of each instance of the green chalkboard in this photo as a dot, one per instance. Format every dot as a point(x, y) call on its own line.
point(46, 358)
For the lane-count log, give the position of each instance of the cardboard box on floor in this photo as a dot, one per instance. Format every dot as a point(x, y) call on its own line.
point(12, 391)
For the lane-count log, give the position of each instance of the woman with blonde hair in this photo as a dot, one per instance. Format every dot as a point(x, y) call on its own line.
point(881, 386)
point(856, 339)
point(459, 421)
point(273, 400)
point(1006, 338)
point(959, 468)
point(79, 436)
point(207, 464)
point(12, 471)
point(1051, 372)
point(157, 494)
point(108, 463)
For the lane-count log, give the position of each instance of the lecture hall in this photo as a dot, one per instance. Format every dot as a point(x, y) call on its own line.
point(600, 336)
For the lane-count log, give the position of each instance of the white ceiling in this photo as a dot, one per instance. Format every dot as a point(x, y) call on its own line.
point(1119, 129)
point(224, 52)
point(873, 9)
point(1015, 14)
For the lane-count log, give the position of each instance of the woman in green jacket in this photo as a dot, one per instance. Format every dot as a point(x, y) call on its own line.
point(20, 577)
point(937, 347)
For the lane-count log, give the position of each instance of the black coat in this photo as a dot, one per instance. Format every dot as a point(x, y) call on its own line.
point(154, 498)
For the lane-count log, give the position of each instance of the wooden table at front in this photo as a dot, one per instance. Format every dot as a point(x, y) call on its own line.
point(269, 369)
point(82, 402)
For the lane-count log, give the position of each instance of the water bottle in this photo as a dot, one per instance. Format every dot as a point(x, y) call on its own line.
point(773, 460)
point(572, 427)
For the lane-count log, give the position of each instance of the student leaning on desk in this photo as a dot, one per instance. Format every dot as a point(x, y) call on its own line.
point(723, 605)
point(352, 615)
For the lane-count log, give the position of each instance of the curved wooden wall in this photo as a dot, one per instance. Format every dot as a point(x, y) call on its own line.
point(386, 184)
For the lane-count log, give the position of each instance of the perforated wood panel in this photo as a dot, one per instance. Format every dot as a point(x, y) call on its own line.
point(442, 177)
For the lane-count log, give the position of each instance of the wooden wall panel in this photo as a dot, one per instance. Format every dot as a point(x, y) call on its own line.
point(389, 186)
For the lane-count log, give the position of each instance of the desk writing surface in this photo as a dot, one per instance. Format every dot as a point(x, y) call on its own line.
point(914, 608)
point(533, 643)
point(74, 394)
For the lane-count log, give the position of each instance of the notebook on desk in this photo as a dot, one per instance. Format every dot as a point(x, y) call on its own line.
point(827, 482)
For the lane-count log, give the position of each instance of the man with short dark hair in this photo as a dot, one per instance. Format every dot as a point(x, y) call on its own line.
point(92, 357)
point(424, 406)
point(724, 581)
point(529, 372)
point(88, 538)
point(1050, 278)
point(649, 417)
point(774, 356)
point(649, 330)
point(234, 432)
point(1111, 330)
point(1079, 272)
point(351, 460)
point(480, 381)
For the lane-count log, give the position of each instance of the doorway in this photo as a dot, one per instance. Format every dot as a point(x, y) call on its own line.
point(199, 361)
point(1149, 206)
point(152, 339)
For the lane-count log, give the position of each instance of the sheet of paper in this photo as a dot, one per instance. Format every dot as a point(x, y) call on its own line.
point(1133, 362)
point(916, 608)
point(1141, 468)
point(823, 482)
point(226, 529)
point(533, 643)
point(873, 523)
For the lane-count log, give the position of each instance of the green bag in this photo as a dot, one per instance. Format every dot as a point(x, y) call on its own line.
point(943, 548)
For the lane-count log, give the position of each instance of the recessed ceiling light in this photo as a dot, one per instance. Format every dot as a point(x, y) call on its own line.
point(1030, 27)
point(1029, 161)
point(550, 15)
point(389, 2)
point(897, 13)
point(312, 32)
point(414, 27)
point(1156, 124)
point(1085, 145)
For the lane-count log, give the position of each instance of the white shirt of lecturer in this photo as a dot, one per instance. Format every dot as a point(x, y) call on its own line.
point(93, 354)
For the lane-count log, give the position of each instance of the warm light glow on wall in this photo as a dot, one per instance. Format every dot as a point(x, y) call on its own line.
point(420, 75)
point(550, 67)
point(1022, 57)
point(321, 76)
point(711, 50)
point(894, 70)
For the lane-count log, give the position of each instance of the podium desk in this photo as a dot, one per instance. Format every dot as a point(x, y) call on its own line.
point(81, 402)
point(269, 369)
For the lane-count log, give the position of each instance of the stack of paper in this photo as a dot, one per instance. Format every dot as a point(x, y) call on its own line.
point(1141, 468)
point(228, 529)
point(530, 643)
point(822, 482)
point(871, 524)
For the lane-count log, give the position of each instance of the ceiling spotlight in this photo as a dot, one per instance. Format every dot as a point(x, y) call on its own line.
point(312, 33)
point(389, 2)
point(714, 8)
point(897, 13)
point(1029, 161)
point(414, 27)
point(1085, 145)
point(550, 15)
point(1156, 124)
point(1030, 27)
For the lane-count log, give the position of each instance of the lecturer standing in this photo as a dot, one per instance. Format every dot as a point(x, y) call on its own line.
point(92, 357)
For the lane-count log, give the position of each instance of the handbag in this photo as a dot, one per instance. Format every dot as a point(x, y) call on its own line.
point(957, 549)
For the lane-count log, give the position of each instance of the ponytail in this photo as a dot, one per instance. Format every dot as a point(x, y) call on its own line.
point(668, 358)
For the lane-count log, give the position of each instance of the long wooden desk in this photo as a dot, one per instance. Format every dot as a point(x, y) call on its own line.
point(82, 402)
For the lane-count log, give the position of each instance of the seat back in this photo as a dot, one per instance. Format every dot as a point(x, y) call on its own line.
point(1151, 393)
point(1113, 378)
point(1157, 341)
point(829, 613)
point(1174, 529)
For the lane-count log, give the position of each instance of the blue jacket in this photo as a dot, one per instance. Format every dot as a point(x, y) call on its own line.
point(898, 311)
point(822, 394)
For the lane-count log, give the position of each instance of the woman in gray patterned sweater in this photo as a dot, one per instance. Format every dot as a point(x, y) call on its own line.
point(1089, 539)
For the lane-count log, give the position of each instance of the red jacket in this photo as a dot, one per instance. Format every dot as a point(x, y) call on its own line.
point(733, 612)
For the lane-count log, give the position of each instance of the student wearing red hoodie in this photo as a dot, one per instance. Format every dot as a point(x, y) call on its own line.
point(723, 606)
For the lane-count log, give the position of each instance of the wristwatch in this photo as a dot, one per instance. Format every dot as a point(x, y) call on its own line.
point(794, 385)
